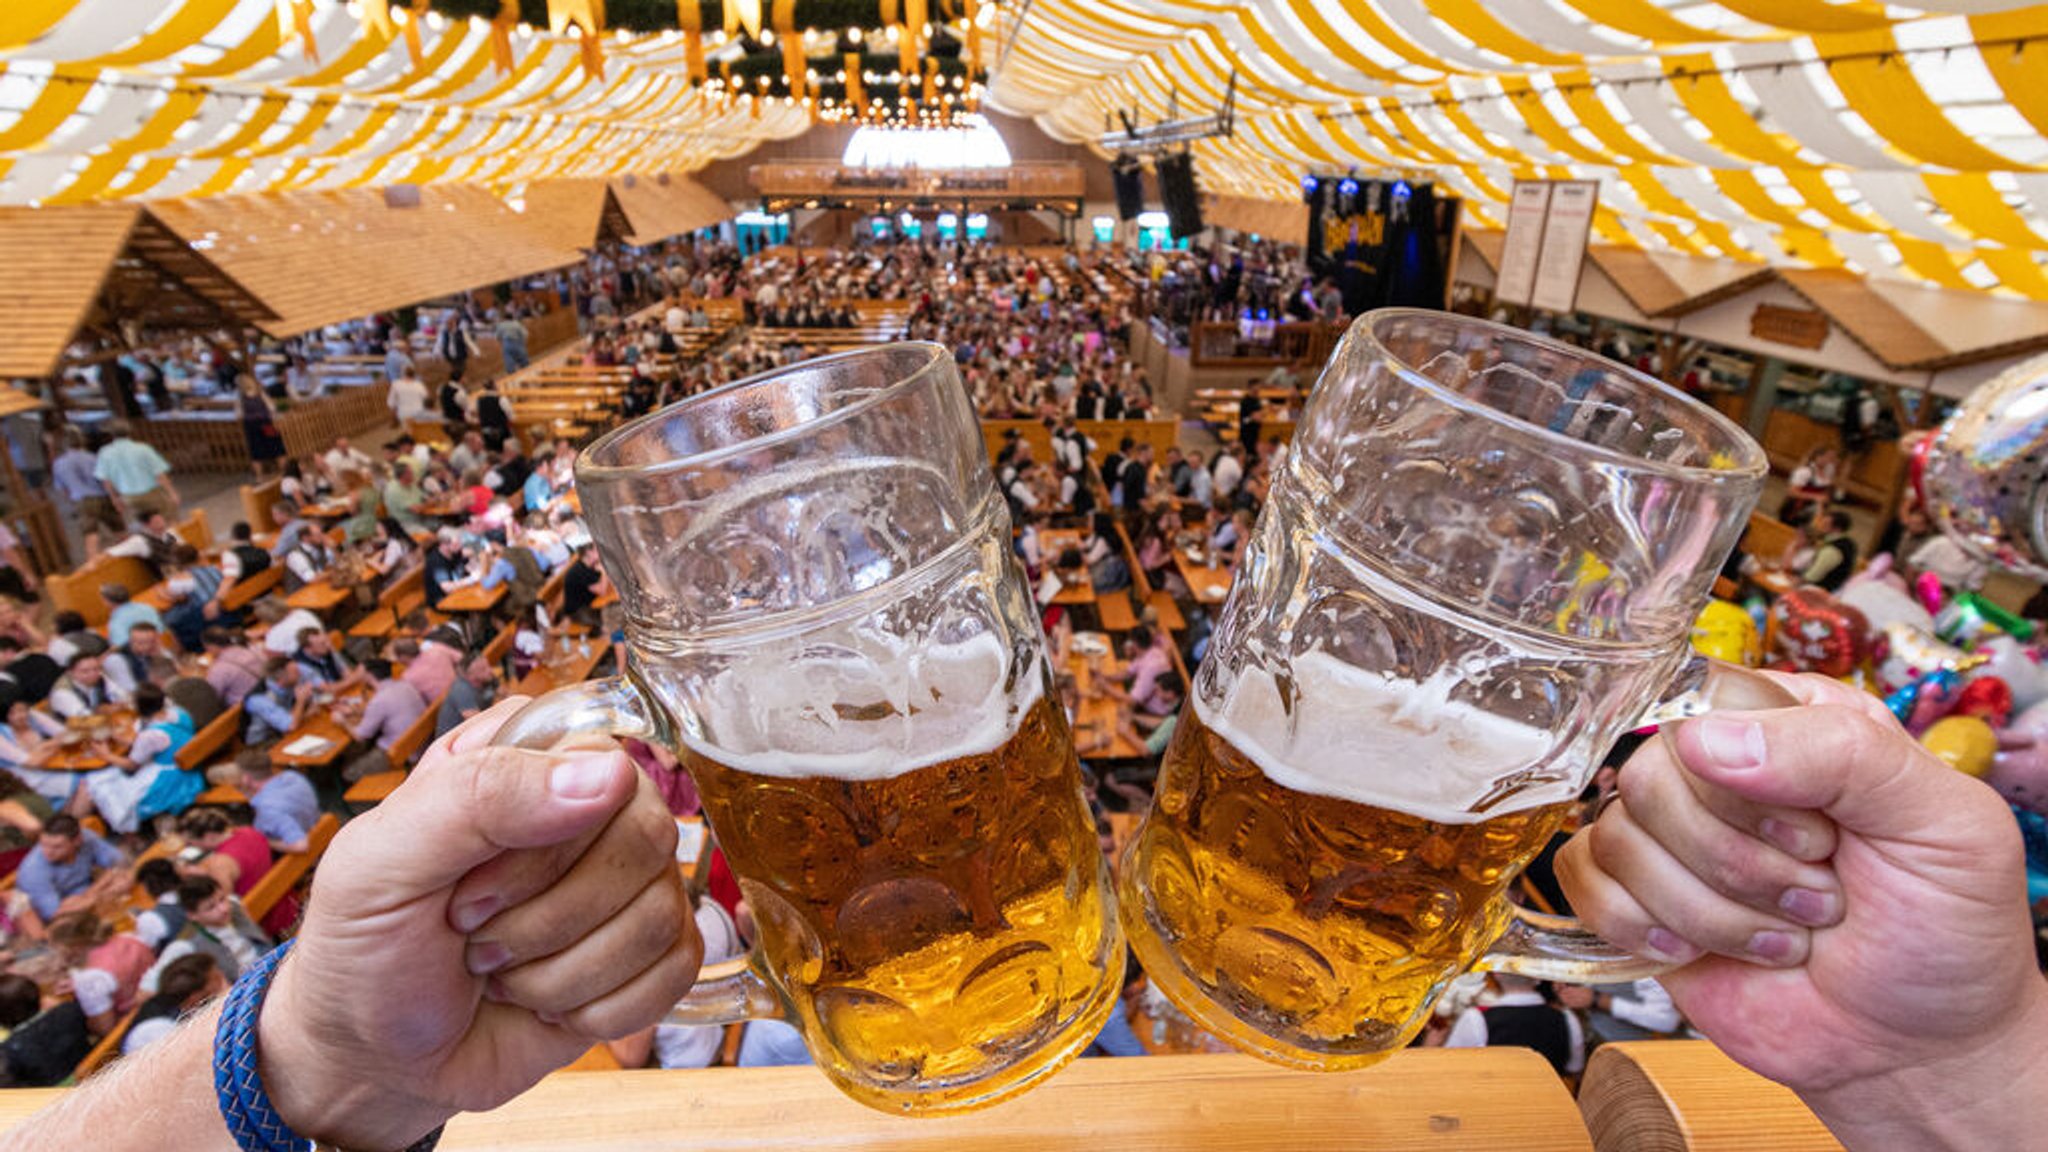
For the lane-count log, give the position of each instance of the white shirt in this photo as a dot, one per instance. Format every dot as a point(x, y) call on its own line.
point(353, 460)
point(675, 319)
point(283, 637)
point(682, 1046)
point(1228, 474)
point(408, 399)
point(1469, 1031)
point(94, 989)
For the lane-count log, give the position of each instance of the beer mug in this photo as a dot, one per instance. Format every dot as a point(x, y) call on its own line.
point(1479, 562)
point(826, 624)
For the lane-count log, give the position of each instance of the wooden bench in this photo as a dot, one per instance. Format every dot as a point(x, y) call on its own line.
point(79, 590)
point(1687, 1096)
point(290, 868)
point(104, 1052)
point(394, 604)
point(1769, 539)
point(249, 589)
point(258, 500)
point(212, 740)
point(1114, 608)
point(1158, 599)
point(494, 653)
point(374, 788)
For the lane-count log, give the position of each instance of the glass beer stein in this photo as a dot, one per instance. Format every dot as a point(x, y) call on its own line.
point(1477, 567)
point(828, 628)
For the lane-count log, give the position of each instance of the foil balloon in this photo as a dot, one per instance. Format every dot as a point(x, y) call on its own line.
point(1725, 632)
point(1928, 587)
point(2020, 666)
point(1985, 697)
point(1812, 631)
point(1880, 594)
point(1910, 654)
point(1964, 743)
point(1984, 479)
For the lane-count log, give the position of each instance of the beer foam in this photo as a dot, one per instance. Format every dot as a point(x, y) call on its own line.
point(1396, 744)
point(863, 713)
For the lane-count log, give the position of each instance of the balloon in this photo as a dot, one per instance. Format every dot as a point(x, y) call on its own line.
point(1964, 743)
point(1928, 588)
point(1987, 698)
point(1884, 601)
point(1812, 631)
point(1982, 480)
point(1725, 632)
point(2020, 666)
point(1910, 654)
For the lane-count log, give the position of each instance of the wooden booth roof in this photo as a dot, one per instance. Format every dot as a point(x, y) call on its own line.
point(82, 267)
point(319, 258)
point(638, 209)
point(1910, 326)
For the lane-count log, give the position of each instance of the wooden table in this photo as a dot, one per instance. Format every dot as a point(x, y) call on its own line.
point(1209, 586)
point(1077, 587)
point(320, 721)
point(1097, 716)
point(319, 597)
point(455, 507)
point(331, 509)
point(558, 668)
point(471, 598)
point(120, 733)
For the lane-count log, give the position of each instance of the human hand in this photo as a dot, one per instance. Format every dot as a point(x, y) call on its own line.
point(554, 873)
point(1849, 913)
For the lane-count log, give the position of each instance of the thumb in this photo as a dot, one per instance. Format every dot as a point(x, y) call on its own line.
point(1865, 774)
point(461, 808)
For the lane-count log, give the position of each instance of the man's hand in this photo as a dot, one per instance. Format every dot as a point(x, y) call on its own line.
point(498, 915)
point(1850, 914)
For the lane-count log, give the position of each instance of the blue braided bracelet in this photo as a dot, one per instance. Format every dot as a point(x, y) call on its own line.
point(246, 1107)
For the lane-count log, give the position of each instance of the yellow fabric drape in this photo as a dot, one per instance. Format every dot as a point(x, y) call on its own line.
point(501, 36)
point(2018, 70)
point(295, 20)
point(1814, 189)
point(1931, 261)
point(1643, 18)
point(856, 87)
point(262, 42)
point(1883, 91)
point(1576, 88)
point(22, 21)
point(1812, 15)
point(915, 13)
point(1483, 28)
point(2018, 270)
point(1811, 246)
point(185, 27)
point(1529, 106)
point(1312, 18)
point(1699, 85)
point(689, 18)
point(60, 97)
point(1366, 16)
point(1980, 208)
point(1742, 186)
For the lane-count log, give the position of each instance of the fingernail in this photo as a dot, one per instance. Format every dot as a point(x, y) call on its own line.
point(1733, 745)
point(1787, 836)
point(1807, 906)
point(484, 959)
point(584, 778)
point(1775, 947)
point(468, 917)
point(1664, 944)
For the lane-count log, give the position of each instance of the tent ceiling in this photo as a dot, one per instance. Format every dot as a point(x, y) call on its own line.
point(1894, 140)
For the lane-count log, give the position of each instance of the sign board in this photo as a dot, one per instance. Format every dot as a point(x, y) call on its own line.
point(1528, 210)
point(1567, 229)
point(1549, 224)
point(1797, 327)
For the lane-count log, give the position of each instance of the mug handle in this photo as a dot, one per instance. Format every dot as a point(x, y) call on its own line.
point(1546, 947)
point(597, 713)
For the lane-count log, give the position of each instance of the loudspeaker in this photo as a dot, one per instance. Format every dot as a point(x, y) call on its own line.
point(1183, 200)
point(1129, 177)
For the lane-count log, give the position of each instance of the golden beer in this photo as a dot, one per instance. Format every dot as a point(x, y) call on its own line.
point(1307, 928)
point(944, 932)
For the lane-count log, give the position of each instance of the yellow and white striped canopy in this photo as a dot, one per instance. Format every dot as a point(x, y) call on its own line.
point(110, 99)
point(1888, 139)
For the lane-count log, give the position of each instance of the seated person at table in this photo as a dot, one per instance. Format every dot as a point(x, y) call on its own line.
point(1150, 729)
point(471, 693)
point(182, 988)
point(685, 1045)
point(195, 589)
point(1146, 662)
point(216, 926)
point(145, 781)
point(447, 567)
point(345, 458)
point(153, 542)
point(403, 496)
point(237, 855)
point(233, 667)
point(26, 745)
point(83, 689)
point(393, 707)
point(124, 611)
point(70, 868)
point(476, 496)
point(161, 922)
point(470, 455)
point(142, 660)
point(278, 705)
point(295, 485)
point(543, 536)
point(508, 473)
point(107, 967)
point(308, 561)
point(582, 585)
point(243, 558)
point(72, 637)
point(283, 623)
point(323, 667)
point(284, 515)
point(284, 802)
point(1834, 551)
point(538, 489)
point(24, 675)
point(430, 661)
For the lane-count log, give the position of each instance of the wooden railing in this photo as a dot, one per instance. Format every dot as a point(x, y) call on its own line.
point(825, 179)
point(1221, 344)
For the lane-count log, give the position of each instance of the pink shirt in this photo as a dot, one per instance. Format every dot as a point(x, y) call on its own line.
point(433, 672)
point(1146, 669)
